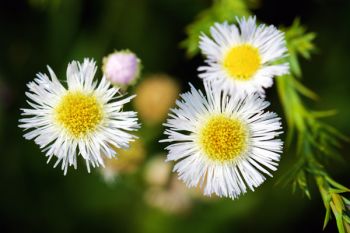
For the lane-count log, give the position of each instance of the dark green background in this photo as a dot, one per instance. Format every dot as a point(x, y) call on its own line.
point(34, 197)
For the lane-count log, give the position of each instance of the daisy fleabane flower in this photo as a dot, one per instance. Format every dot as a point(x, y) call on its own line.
point(241, 59)
point(223, 142)
point(86, 118)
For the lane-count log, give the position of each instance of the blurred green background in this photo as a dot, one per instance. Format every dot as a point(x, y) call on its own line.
point(34, 197)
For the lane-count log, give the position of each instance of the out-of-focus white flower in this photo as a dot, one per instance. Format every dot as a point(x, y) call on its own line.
point(157, 172)
point(173, 198)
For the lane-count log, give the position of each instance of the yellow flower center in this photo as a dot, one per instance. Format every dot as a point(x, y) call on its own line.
point(242, 61)
point(223, 138)
point(78, 113)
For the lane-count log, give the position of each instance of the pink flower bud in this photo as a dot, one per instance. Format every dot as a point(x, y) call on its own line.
point(121, 68)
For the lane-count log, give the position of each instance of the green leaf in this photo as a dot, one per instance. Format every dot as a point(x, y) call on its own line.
point(304, 90)
point(327, 216)
point(336, 184)
point(346, 201)
point(339, 219)
point(294, 64)
point(323, 114)
point(346, 218)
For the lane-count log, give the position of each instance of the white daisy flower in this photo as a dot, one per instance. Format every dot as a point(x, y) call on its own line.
point(241, 59)
point(224, 142)
point(84, 119)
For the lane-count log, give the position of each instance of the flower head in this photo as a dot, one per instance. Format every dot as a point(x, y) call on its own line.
point(164, 190)
point(86, 118)
point(121, 68)
point(157, 173)
point(240, 59)
point(127, 162)
point(155, 95)
point(225, 142)
point(173, 198)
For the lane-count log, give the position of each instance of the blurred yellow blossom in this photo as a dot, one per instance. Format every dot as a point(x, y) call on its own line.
point(155, 96)
point(126, 162)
